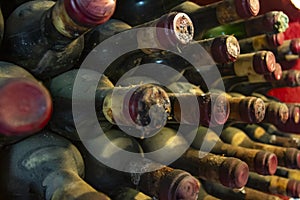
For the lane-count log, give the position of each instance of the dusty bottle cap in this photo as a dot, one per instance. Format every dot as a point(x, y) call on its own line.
point(252, 109)
point(247, 8)
point(179, 184)
point(276, 75)
point(265, 163)
point(90, 12)
point(234, 173)
point(264, 62)
point(275, 40)
point(225, 49)
point(220, 110)
point(26, 107)
point(174, 28)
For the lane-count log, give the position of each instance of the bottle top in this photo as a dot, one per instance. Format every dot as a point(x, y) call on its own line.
point(275, 40)
point(278, 19)
point(234, 173)
point(264, 62)
point(225, 49)
point(27, 107)
point(265, 163)
point(247, 8)
point(275, 75)
point(175, 28)
point(91, 12)
point(293, 158)
point(295, 46)
point(291, 77)
point(252, 109)
point(179, 184)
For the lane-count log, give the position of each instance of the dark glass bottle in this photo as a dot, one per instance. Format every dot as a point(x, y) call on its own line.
point(26, 105)
point(203, 195)
point(1, 26)
point(213, 108)
point(247, 109)
point(261, 42)
point(44, 36)
point(293, 174)
point(269, 23)
point(288, 157)
point(245, 193)
point(153, 179)
point(231, 172)
point(123, 106)
point(45, 165)
point(138, 12)
point(289, 50)
point(274, 185)
point(262, 162)
point(216, 14)
point(259, 134)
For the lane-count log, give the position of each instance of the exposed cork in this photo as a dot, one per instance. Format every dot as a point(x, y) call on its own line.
point(247, 8)
point(265, 163)
point(179, 184)
point(26, 107)
point(90, 12)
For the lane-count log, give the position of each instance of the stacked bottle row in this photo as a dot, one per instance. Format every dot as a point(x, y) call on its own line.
point(77, 125)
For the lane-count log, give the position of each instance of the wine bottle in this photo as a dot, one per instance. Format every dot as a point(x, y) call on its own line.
point(142, 11)
point(213, 108)
point(270, 23)
point(288, 173)
point(49, 42)
point(261, 42)
point(151, 178)
point(274, 184)
point(260, 62)
point(46, 165)
point(246, 109)
point(259, 134)
point(228, 171)
point(145, 107)
point(290, 7)
point(216, 14)
point(203, 195)
point(231, 172)
point(288, 157)
point(244, 193)
point(262, 162)
point(26, 104)
point(288, 50)
point(274, 76)
point(204, 2)
point(126, 193)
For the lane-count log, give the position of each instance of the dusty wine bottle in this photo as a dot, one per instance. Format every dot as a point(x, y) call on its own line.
point(244, 193)
point(153, 179)
point(288, 50)
point(231, 172)
point(246, 109)
point(213, 108)
point(288, 157)
point(262, 162)
point(259, 134)
point(26, 103)
point(203, 195)
point(260, 62)
point(46, 165)
point(270, 23)
point(49, 42)
point(142, 11)
point(216, 14)
point(124, 106)
point(274, 185)
point(261, 42)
